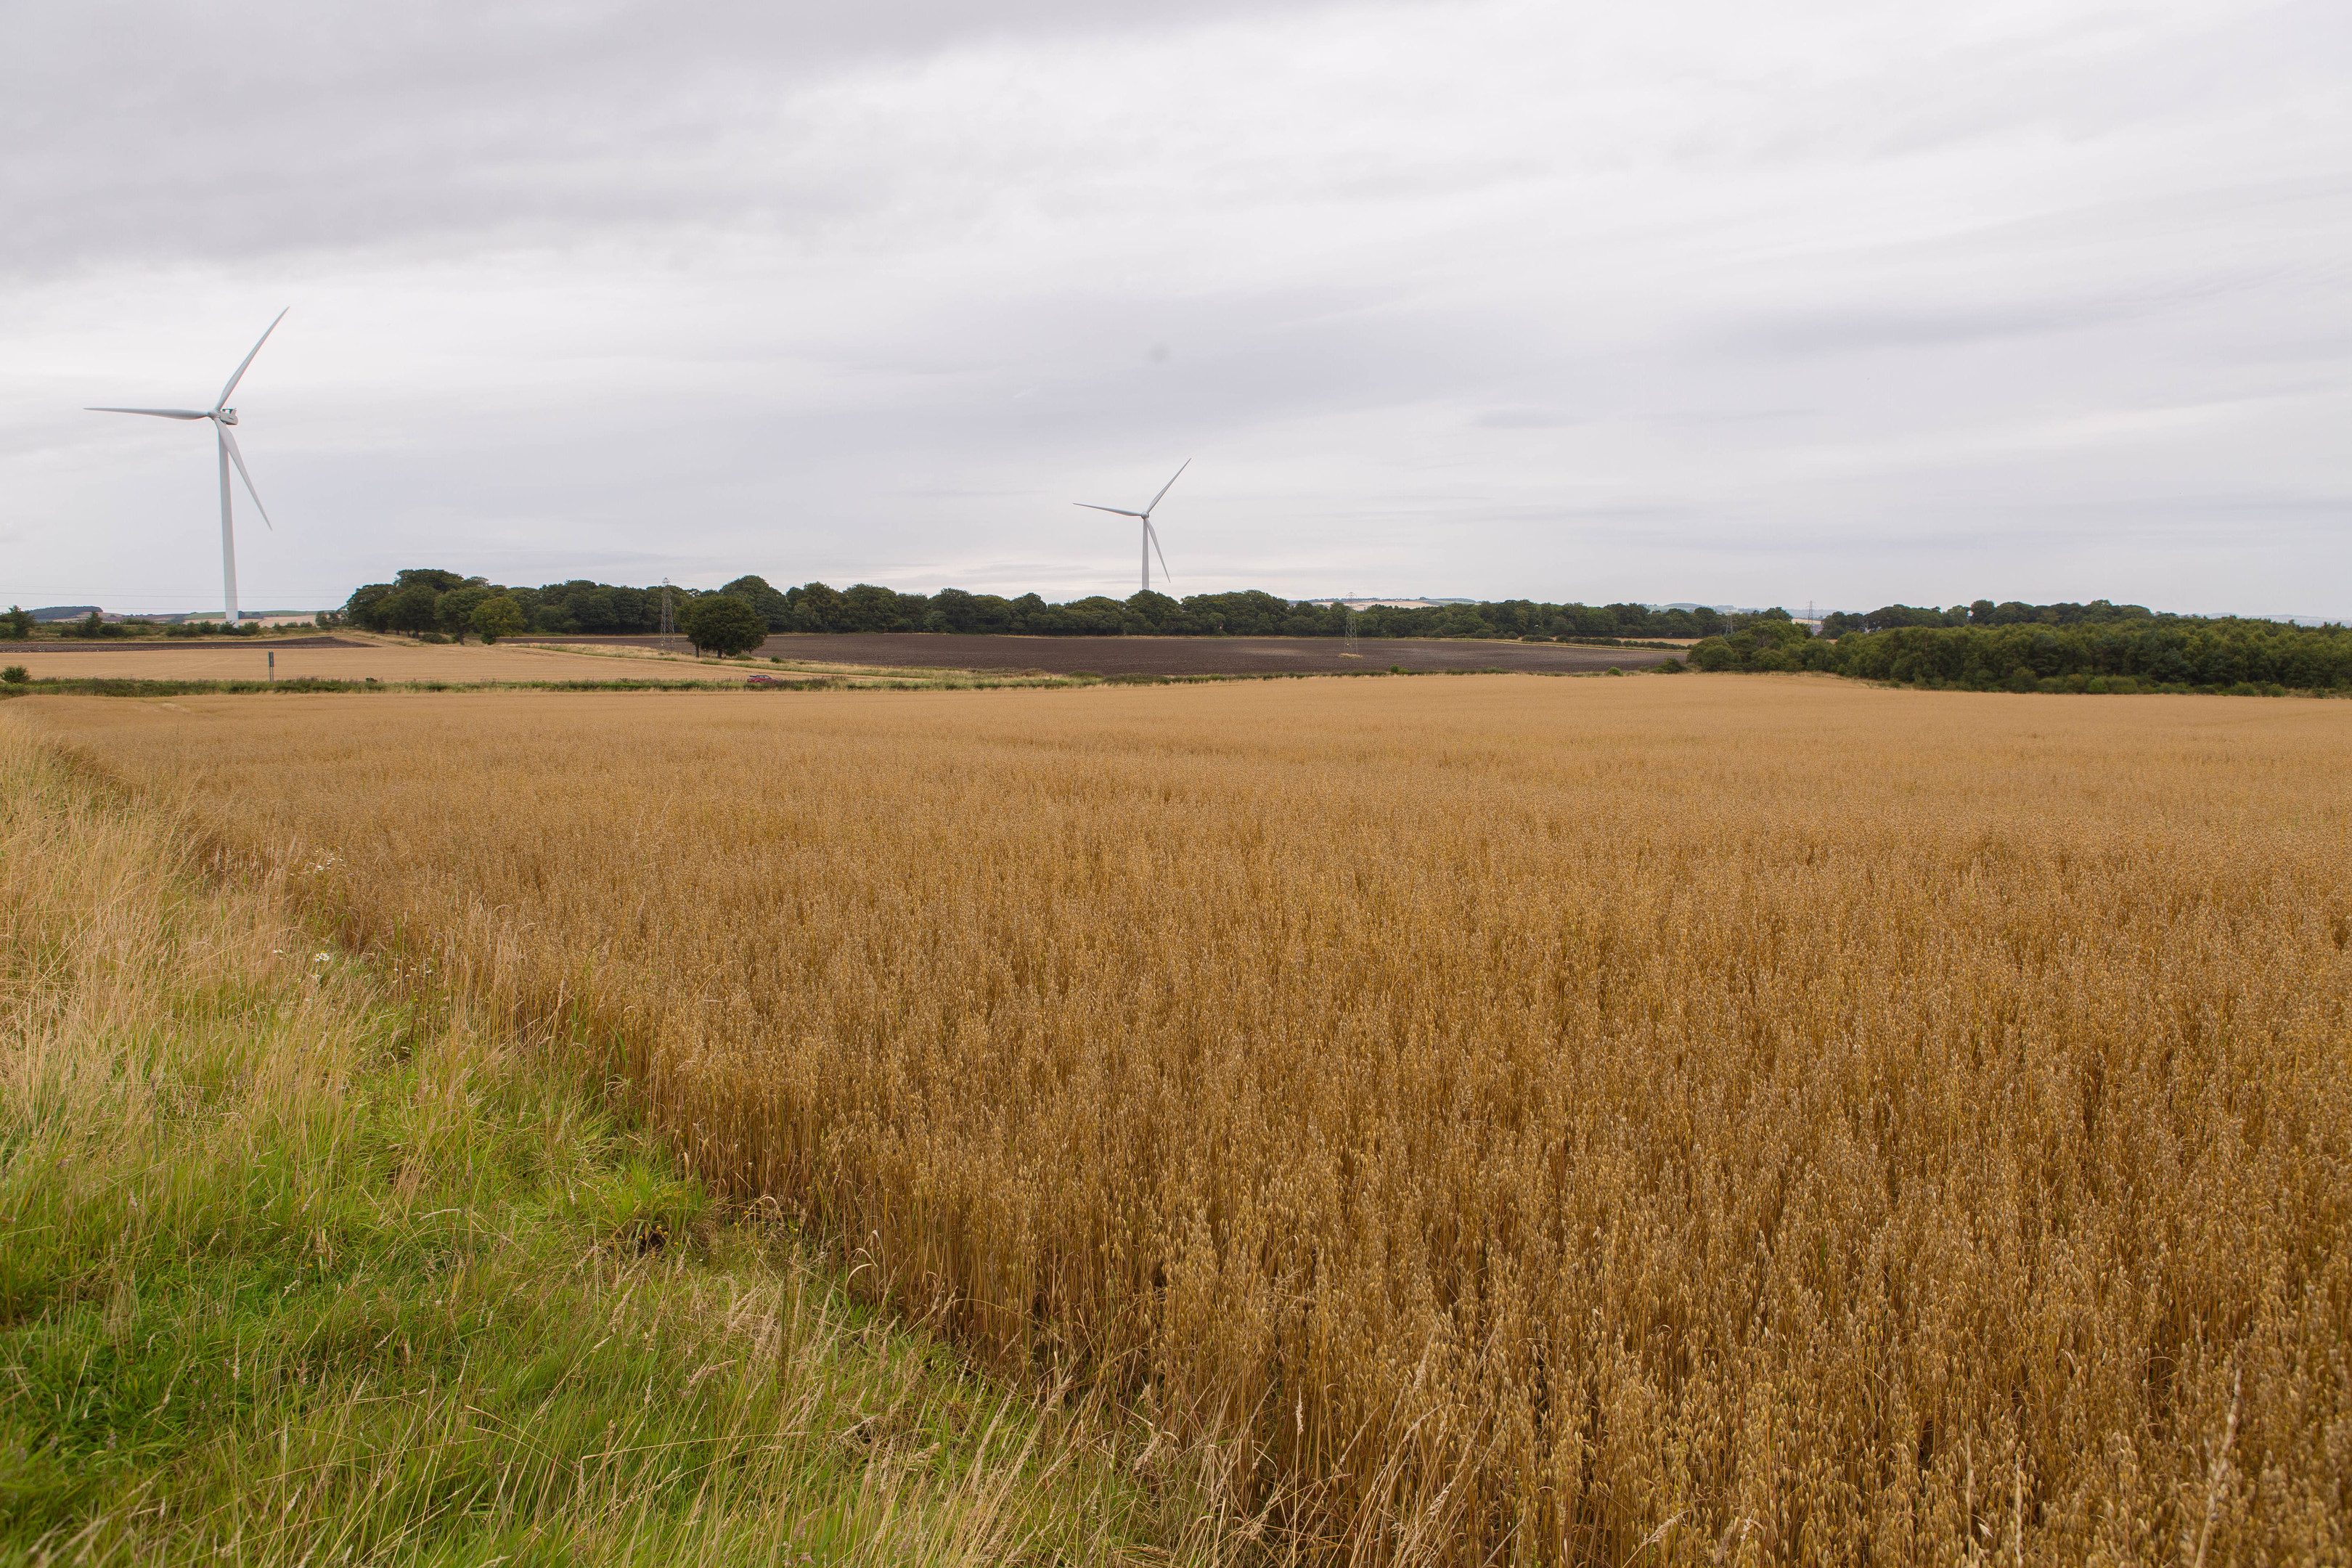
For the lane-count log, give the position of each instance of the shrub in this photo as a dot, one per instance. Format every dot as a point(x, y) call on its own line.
point(14, 675)
point(1714, 655)
point(500, 617)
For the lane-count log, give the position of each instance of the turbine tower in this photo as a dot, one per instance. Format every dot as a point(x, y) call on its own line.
point(223, 417)
point(1150, 537)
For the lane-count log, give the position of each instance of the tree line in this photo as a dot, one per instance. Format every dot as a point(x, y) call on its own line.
point(18, 624)
point(430, 600)
point(2110, 652)
point(1982, 645)
point(1983, 612)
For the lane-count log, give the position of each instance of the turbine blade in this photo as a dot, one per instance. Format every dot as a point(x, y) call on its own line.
point(158, 413)
point(249, 360)
point(1166, 487)
point(1090, 506)
point(1154, 533)
point(229, 443)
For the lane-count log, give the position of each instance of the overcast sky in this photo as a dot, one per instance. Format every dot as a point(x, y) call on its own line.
point(1837, 302)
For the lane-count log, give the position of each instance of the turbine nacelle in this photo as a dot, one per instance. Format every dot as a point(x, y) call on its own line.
point(226, 416)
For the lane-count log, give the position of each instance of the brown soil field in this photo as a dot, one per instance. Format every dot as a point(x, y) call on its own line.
point(1500, 1121)
point(1174, 656)
point(326, 658)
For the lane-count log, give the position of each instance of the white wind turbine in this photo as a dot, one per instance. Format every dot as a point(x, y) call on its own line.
point(223, 417)
point(1151, 538)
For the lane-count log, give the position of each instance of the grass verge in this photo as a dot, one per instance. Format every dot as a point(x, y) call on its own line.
point(298, 1264)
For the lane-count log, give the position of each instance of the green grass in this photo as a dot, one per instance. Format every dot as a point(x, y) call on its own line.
point(298, 1264)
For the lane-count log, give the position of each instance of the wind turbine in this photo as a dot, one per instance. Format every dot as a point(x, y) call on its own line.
point(223, 417)
point(1151, 538)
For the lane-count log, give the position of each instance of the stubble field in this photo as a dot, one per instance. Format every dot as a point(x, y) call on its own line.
point(1509, 1119)
point(384, 660)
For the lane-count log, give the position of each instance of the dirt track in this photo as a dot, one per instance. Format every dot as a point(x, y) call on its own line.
point(1169, 656)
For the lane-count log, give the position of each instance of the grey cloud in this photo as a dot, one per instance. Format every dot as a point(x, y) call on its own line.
point(1850, 303)
point(1837, 332)
point(1523, 419)
point(154, 132)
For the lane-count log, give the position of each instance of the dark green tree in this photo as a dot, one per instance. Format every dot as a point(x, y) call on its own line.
point(496, 616)
point(455, 609)
point(20, 622)
point(1155, 612)
point(581, 605)
point(359, 609)
point(413, 608)
point(994, 614)
point(952, 610)
point(724, 624)
point(1098, 615)
point(773, 607)
point(868, 608)
point(816, 607)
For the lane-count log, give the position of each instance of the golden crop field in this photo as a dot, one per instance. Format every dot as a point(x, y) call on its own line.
point(368, 658)
point(1514, 1120)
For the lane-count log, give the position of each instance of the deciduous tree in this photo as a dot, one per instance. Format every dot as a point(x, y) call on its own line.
point(500, 616)
point(724, 624)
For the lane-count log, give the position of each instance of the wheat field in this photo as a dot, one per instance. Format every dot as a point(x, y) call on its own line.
point(363, 659)
point(1498, 1119)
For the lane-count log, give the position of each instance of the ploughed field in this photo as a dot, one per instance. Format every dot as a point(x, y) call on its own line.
point(1514, 1120)
point(1168, 655)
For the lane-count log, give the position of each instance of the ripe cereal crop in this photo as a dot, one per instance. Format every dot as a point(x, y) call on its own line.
point(1496, 1119)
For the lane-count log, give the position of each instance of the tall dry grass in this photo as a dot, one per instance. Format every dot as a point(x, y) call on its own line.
point(1519, 1120)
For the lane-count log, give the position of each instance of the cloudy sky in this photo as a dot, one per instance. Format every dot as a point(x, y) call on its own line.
point(1831, 301)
